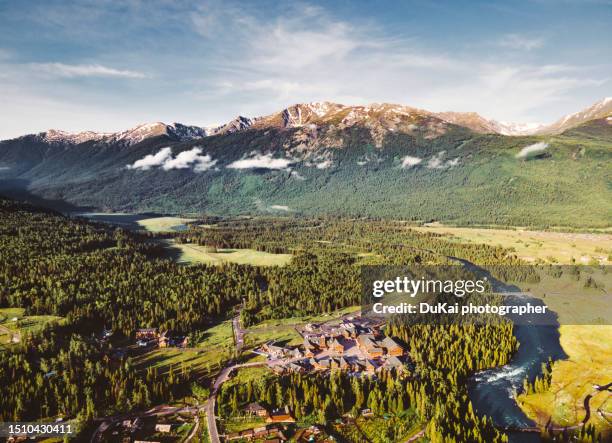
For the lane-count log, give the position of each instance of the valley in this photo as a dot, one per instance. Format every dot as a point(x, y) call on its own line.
point(316, 284)
point(199, 277)
point(305, 221)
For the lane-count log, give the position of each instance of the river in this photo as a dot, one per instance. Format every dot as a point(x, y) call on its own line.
point(492, 391)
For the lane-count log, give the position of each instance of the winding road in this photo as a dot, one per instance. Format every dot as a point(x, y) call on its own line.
point(223, 376)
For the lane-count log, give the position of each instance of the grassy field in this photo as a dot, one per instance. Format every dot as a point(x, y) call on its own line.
point(573, 379)
point(283, 330)
point(589, 349)
point(378, 429)
point(551, 247)
point(221, 335)
point(327, 318)
point(163, 224)
point(286, 334)
point(14, 324)
point(237, 424)
point(249, 373)
point(189, 253)
point(139, 221)
point(203, 359)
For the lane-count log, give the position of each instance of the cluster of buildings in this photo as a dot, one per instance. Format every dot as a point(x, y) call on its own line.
point(150, 337)
point(270, 434)
point(352, 346)
point(142, 430)
point(278, 426)
point(272, 431)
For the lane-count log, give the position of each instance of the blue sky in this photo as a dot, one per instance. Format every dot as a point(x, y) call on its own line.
point(109, 65)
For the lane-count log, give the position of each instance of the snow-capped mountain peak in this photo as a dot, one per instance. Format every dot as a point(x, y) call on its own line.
point(509, 128)
point(55, 136)
point(378, 118)
point(175, 131)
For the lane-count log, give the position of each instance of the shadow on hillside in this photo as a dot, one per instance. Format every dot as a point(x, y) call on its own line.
point(17, 189)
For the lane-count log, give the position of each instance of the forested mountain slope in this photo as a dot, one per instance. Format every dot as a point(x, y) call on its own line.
point(380, 162)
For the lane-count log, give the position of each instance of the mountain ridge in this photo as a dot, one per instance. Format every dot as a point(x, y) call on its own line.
point(378, 116)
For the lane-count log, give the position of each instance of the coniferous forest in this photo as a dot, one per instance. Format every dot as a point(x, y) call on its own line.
point(96, 277)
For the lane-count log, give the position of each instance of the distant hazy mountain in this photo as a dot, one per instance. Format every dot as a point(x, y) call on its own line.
point(175, 131)
point(380, 160)
point(601, 109)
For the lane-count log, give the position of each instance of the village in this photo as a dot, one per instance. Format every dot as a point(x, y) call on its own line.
point(355, 345)
point(352, 344)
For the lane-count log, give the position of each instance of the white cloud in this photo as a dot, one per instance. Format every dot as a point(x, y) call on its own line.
point(521, 42)
point(151, 160)
point(95, 70)
point(280, 208)
point(436, 162)
point(184, 160)
point(188, 159)
point(261, 161)
point(532, 149)
point(308, 55)
point(297, 175)
point(204, 163)
point(325, 164)
point(410, 161)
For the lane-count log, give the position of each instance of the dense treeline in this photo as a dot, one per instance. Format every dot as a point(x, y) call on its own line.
point(95, 276)
point(325, 273)
point(51, 374)
point(385, 242)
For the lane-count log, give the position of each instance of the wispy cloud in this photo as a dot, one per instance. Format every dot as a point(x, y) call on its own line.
point(308, 54)
point(94, 70)
point(437, 162)
point(192, 158)
point(188, 159)
point(532, 149)
point(325, 164)
point(151, 160)
point(261, 161)
point(410, 161)
point(210, 60)
point(521, 42)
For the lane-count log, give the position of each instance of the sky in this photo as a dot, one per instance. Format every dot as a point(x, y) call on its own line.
point(110, 65)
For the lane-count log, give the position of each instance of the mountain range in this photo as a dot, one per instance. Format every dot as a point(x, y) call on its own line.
point(321, 113)
point(379, 160)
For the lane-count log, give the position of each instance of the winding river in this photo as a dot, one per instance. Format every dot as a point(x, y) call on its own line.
point(492, 391)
